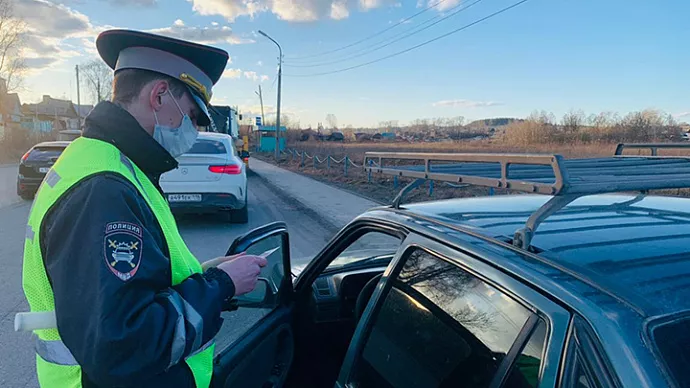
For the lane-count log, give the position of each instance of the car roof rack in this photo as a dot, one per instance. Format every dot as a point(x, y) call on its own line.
point(550, 174)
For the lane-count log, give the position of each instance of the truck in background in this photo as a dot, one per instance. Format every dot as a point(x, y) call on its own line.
point(226, 120)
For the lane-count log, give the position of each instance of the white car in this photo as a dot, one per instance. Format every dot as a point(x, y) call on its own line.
point(209, 178)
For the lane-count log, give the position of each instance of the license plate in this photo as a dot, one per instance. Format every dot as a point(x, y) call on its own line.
point(43, 170)
point(184, 197)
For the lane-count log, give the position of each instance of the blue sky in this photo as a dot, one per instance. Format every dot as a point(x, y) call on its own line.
point(555, 55)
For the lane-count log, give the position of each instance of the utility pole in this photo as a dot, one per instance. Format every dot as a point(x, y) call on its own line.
point(78, 97)
point(280, 73)
point(261, 99)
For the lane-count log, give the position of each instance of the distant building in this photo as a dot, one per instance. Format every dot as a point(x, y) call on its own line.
point(267, 138)
point(51, 114)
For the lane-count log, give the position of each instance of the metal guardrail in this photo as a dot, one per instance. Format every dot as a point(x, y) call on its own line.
point(653, 147)
point(565, 179)
point(488, 170)
point(541, 174)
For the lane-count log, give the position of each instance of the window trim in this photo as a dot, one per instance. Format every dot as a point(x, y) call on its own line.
point(555, 317)
point(650, 339)
point(508, 362)
point(584, 349)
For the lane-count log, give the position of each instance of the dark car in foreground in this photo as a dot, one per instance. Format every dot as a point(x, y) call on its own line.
point(586, 285)
point(35, 164)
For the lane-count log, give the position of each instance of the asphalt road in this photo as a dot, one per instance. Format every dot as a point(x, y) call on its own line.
point(8, 185)
point(208, 237)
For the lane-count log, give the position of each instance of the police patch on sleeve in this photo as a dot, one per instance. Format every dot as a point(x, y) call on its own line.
point(122, 247)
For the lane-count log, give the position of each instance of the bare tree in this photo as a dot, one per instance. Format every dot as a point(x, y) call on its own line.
point(12, 33)
point(99, 79)
point(573, 121)
point(332, 120)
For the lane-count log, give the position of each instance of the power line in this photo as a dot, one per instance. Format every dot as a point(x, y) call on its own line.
point(394, 41)
point(373, 35)
point(413, 47)
point(344, 56)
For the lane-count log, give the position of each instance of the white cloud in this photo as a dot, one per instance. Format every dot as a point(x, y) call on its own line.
point(252, 75)
point(288, 10)
point(48, 19)
point(446, 5)
point(465, 103)
point(202, 35)
point(339, 10)
point(214, 23)
point(218, 100)
point(232, 73)
point(37, 63)
point(372, 4)
point(438, 5)
point(260, 63)
point(229, 9)
point(48, 25)
point(682, 114)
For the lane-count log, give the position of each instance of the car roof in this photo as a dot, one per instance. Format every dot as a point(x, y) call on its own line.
point(214, 136)
point(62, 144)
point(635, 246)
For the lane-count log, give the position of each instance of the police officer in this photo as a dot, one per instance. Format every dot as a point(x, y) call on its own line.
point(132, 305)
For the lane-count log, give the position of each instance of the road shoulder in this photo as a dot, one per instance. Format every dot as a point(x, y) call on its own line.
point(336, 206)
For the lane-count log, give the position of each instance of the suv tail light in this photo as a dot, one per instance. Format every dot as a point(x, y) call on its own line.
point(230, 169)
point(26, 155)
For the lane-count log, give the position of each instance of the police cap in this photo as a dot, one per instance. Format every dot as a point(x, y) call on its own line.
point(198, 66)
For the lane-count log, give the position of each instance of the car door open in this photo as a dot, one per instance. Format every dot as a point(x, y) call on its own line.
point(262, 355)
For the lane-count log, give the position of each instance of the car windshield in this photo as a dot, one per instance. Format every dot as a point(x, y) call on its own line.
point(205, 147)
point(673, 341)
point(368, 248)
point(44, 154)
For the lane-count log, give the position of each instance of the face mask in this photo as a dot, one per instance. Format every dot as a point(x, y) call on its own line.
point(178, 140)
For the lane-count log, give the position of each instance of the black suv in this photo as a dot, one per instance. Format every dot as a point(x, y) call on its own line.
point(571, 288)
point(35, 164)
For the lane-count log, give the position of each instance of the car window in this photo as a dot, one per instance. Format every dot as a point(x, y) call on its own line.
point(440, 326)
point(672, 339)
point(370, 246)
point(44, 154)
point(581, 376)
point(525, 371)
point(208, 147)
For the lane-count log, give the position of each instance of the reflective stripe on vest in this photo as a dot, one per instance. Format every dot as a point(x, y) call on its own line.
point(81, 159)
point(54, 352)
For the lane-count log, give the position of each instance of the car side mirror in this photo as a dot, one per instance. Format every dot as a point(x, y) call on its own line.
point(264, 295)
point(270, 241)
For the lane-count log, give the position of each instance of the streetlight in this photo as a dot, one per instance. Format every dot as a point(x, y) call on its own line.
point(280, 73)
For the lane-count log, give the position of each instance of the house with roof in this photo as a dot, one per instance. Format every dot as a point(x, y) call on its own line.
point(51, 114)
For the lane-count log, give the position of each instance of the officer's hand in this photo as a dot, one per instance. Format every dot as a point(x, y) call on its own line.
point(244, 272)
point(218, 260)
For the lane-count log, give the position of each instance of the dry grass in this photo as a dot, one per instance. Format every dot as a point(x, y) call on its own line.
point(382, 189)
point(356, 150)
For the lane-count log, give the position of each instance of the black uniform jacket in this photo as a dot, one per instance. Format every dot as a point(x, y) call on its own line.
point(109, 267)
